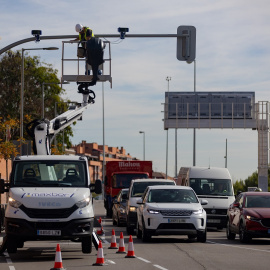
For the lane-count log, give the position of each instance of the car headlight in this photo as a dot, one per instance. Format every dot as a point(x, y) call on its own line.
point(14, 203)
point(83, 203)
point(153, 211)
point(132, 209)
point(253, 218)
point(198, 212)
point(122, 210)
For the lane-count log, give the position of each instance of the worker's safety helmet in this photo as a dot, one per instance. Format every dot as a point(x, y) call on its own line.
point(78, 27)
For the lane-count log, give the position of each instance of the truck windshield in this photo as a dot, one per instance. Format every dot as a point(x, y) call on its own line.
point(138, 188)
point(123, 180)
point(213, 187)
point(48, 174)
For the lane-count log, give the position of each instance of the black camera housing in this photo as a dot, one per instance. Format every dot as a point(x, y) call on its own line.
point(37, 34)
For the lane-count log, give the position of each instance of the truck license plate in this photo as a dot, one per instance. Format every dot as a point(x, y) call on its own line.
point(176, 220)
point(213, 220)
point(48, 232)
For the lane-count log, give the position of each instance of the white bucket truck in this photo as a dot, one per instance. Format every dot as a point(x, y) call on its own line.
point(213, 184)
point(49, 196)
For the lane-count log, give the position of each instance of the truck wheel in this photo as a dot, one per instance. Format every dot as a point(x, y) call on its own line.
point(87, 244)
point(11, 245)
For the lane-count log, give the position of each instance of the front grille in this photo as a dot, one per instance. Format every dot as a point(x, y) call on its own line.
point(215, 211)
point(266, 222)
point(178, 212)
point(49, 225)
point(48, 213)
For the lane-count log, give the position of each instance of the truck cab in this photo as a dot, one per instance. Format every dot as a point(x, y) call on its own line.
point(49, 199)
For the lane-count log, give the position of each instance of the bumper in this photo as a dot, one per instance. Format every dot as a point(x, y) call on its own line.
point(29, 230)
point(167, 226)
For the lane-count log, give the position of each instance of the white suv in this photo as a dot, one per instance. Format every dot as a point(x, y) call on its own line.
point(171, 210)
point(136, 190)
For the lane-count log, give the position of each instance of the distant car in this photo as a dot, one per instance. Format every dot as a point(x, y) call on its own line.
point(249, 216)
point(171, 210)
point(119, 216)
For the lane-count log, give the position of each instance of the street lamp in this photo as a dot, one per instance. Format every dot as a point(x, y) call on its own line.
point(142, 132)
point(168, 80)
point(22, 86)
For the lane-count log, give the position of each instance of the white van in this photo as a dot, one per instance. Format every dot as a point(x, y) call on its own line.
point(213, 184)
point(136, 190)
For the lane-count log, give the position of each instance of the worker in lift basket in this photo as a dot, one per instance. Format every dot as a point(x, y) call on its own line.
point(85, 33)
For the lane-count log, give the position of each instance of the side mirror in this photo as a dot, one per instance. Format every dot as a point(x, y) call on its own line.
point(3, 186)
point(204, 202)
point(97, 187)
point(140, 201)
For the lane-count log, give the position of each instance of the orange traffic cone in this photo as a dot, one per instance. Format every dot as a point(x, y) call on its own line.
point(58, 259)
point(131, 253)
point(100, 232)
point(100, 258)
point(121, 248)
point(113, 241)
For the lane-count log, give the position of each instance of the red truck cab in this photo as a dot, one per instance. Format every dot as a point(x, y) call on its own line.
point(119, 175)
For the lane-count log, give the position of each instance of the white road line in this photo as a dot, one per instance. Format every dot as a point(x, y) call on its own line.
point(254, 249)
point(144, 260)
point(109, 261)
point(11, 268)
point(159, 267)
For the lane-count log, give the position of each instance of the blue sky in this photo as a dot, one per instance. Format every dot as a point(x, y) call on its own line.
point(232, 54)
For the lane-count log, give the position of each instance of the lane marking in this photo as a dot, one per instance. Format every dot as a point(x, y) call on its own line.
point(159, 267)
point(109, 261)
point(254, 249)
point(144, 260)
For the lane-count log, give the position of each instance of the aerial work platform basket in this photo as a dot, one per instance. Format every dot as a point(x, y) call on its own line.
point(82, 71)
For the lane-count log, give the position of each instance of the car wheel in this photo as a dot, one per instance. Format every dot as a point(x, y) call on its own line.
point(230, 235)
point(11, 245)
point(130, 230)
point(138, 232)
point(201, 236)
point(244, 237)
point(113, 220)
point(145, 235)
point(87, 244)
point(118, 221)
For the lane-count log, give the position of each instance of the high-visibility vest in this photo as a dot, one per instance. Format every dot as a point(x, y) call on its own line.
point(84, 34)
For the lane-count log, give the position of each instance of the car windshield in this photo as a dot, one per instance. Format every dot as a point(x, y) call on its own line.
point(257, 202)
point(172, 196)
point(123, 180)
point(49, 174)
point(213, 187)
point(139, 187)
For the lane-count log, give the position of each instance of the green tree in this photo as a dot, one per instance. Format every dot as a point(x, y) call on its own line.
point(35, 73)
point(251, 181)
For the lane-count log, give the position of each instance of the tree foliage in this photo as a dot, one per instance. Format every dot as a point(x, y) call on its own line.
point(35, 74)
point(251, 181)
